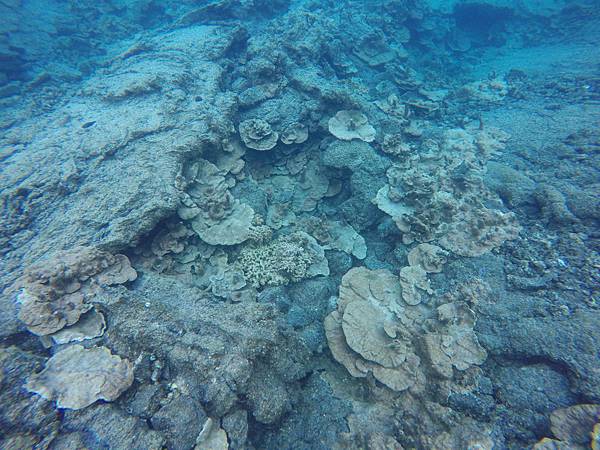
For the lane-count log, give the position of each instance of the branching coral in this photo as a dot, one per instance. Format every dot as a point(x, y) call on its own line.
point(288, 258)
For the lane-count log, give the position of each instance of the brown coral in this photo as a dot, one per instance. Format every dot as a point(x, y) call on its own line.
point(288, 258)
point(439, 197)
point(363, 333)
point(375, 331)
point(57, 291)
point(294, 133)
point(430, 258)
point(214, 214)
point(77, 377)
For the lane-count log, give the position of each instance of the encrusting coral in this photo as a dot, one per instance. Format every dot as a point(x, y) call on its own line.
point(413, 279)
point(337, 236)
point(76, 377)
point(454, 343)
point(349, 124)
point(394, 144)
point(373, 50)
point(197, 120)
point(55, 292)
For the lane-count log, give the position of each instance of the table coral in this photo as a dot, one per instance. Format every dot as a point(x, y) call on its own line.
point(349, 124)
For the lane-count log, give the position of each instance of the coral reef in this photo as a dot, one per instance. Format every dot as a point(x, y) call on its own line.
point(299, 225)
point(214, 214)
point(258, 135)
point(440, 196)
point(376, 330)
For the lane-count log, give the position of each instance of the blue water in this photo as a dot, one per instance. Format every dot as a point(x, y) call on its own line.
point(297, 224)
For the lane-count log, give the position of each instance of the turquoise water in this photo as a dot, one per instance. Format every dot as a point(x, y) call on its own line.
point(294, 224)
